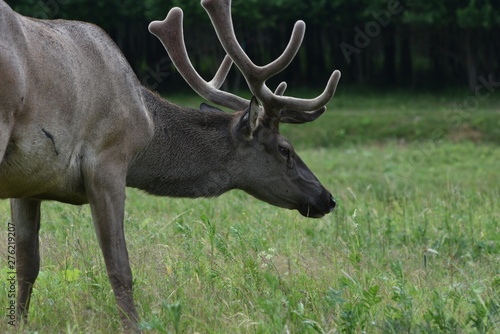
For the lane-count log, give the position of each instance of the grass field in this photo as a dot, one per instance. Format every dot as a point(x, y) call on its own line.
point(413, 246)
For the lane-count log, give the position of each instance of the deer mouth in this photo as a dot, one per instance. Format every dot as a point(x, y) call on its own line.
point(318, 210)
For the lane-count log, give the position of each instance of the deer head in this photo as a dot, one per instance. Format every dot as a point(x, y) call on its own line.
point(273, 171)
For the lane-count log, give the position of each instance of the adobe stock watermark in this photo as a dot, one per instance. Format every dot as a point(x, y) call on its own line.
point(48, 9)
point(483, 91)
point(372, 29)
point(10, 308)
point(155, 76)
point(454, 117)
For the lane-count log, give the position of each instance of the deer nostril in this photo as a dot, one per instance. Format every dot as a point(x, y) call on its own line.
point(332, 203)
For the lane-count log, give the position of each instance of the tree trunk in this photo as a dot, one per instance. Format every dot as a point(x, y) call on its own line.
point(470, 62)
point(389, 70)
point(406, 71)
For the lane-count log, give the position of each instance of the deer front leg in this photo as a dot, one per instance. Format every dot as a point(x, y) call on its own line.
point(25, 215)
point(106, 194)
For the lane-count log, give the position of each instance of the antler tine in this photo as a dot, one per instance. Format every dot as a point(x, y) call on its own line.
point(280, 90)
point(298, 104)
point(222, 72)
point(170, 33)
point(282, 62)
point(256, 76)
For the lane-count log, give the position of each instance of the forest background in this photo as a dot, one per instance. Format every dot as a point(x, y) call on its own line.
point(389, 43)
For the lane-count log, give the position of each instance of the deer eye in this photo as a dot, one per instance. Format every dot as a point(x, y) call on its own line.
point(284, 151)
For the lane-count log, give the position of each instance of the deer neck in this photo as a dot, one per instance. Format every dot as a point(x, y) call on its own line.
point(190, 154)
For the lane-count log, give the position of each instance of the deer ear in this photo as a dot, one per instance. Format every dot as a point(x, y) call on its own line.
point(294, 117)
point(250, 120)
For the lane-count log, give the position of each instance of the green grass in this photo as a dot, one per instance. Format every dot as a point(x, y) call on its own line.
point(413, 246)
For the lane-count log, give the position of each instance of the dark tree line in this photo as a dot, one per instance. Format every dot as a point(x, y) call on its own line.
point(384, 42)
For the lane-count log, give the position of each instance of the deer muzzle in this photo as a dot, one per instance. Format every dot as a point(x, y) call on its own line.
point(322, 206)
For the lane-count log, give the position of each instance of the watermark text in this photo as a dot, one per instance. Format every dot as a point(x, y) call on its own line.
point(372, 29)
point(11, 275)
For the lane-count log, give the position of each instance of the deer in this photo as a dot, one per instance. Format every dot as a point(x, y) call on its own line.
point(77, 126)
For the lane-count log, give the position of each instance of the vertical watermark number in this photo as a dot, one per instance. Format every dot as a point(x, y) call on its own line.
point(11, 274)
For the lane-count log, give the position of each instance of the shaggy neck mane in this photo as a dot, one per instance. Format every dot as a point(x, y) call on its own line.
point(189, 154)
